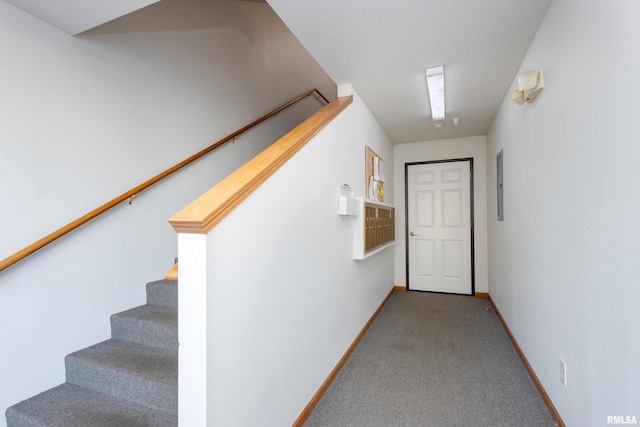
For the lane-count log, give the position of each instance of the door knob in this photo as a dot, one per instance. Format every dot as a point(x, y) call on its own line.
point(413, 233)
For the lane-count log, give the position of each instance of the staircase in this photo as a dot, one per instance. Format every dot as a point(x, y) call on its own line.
point(128, 380)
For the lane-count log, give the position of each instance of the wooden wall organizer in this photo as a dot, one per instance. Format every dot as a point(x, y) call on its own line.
point(378, 225)
point(374, 229)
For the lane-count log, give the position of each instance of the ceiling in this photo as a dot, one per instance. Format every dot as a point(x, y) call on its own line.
point(76, 16)
point(383, 48)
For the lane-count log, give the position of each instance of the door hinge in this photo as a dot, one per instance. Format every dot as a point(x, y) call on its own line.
point(471, 273)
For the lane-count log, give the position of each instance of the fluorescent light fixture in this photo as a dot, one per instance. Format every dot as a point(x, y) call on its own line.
point(435, 83)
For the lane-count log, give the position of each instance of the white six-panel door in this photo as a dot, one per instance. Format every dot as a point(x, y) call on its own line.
point(439, 225)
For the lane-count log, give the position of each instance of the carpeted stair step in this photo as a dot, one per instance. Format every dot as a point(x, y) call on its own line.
point(129, 380)
point(151, 325)
point(163, 293)
point(141, 374)
point(72, 406)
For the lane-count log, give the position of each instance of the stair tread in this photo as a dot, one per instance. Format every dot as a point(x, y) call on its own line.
point(152, 312)
point(146, 375)
point(151, 325)
point(68, 405)
point(163, 293)
point(158, 364)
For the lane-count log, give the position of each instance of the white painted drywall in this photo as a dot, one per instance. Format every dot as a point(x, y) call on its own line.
point(564, 263)
point(84, 119)
point(444, 149)
point(285, 298)
point(192, 330)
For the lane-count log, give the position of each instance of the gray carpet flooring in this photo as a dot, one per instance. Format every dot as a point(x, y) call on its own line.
point(433, 360)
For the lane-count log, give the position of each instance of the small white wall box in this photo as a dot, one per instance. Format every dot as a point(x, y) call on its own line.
point(347, 205)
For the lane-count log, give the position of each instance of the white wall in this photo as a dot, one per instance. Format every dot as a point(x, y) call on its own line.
point(285, 298)
point(563, 264)
point(84, 119)
point(445, 149)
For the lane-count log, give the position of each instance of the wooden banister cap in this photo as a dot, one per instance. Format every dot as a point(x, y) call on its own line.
point(205, 212)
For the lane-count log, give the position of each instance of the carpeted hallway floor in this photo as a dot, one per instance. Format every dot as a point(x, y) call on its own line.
point(433, 360)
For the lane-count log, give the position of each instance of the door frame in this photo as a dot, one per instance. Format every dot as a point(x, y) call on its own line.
point(406, 219)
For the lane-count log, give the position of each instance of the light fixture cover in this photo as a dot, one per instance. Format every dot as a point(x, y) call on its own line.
point(528, 80)
point(530, 84)
point(435, 84)
point(517, 96)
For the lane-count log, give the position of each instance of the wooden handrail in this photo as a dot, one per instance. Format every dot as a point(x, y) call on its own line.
point(23, 253)
point(205, 212)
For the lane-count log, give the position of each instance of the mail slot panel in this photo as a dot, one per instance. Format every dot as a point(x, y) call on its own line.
point(379, 226)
